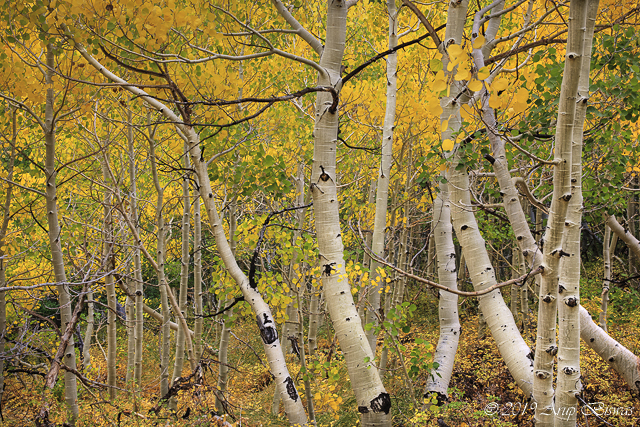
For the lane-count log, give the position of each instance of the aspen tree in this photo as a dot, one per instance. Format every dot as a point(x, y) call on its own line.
point(161, 235)
point(554, 249)
point(6, 216)
point(264, 319)
point(384, 176)
point(184, 273)
point(64, 297)
point(497, 315)
point(450, 329)
point(110, 287)
point(137, 265)
point(608, 248)
point(568, 381)
point(373, 401)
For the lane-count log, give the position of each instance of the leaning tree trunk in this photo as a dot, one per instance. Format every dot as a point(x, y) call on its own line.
point(372, 399)
point(64, 297)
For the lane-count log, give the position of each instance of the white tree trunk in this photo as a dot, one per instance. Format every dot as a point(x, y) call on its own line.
point(225, 332)
point(617, 356)
point(372, 399)
point(137, 265)
point(448, 302)
point(181, 335)
point(608, 248)
point(624, 235)
point(197, 278)
point(64, 298)
point(568, 381)
point(554, 248)
point(110, 288)
point(384, 176)
point(160, 258)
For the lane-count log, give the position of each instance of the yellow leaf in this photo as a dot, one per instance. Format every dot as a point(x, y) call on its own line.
point(444, 126)
point(463, 74)
point(447, 145)
point(522, 95)
point(439, 85)
point(455, 52)
point(483, 73)
point(500, 85)
point(478, 42)
point(443, 167)
point(475, 85)
point(495, 102)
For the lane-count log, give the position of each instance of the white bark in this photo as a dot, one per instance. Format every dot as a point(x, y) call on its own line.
point(225, 333)
point(384, 176)
point(372, 399)
point(160, 258)
point(568, 381)
point(554, 247)
point(110, 288)
point(137, 266)
point(608, 248)
point(64, 298)
point(617, 356)
point(86, 354)
point(197, 278)
point(624, 235)
point(448, 302)
point(184, 276)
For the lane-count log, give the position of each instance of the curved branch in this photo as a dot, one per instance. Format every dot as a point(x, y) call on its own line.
point(524, 189)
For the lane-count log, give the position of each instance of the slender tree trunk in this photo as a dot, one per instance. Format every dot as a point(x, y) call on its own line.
point(223, 370)
point(137, 265)
point(131, 325)
point(161, 234)
point(608, 248)
point(197, 277)
point(184, 275)
point(109, 267)
point(6, 210)
point(86, 353)
point(384, 176)
point(64, 298)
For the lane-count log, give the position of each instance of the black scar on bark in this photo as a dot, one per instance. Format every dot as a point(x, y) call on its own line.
point(268, 334)
point(363, 409)
point(382, 403)
point(291, 389)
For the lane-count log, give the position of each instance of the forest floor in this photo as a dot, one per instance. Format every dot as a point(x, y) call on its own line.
point(481, 393)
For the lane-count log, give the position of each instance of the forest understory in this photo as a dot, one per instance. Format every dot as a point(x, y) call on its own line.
point(481, 391)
